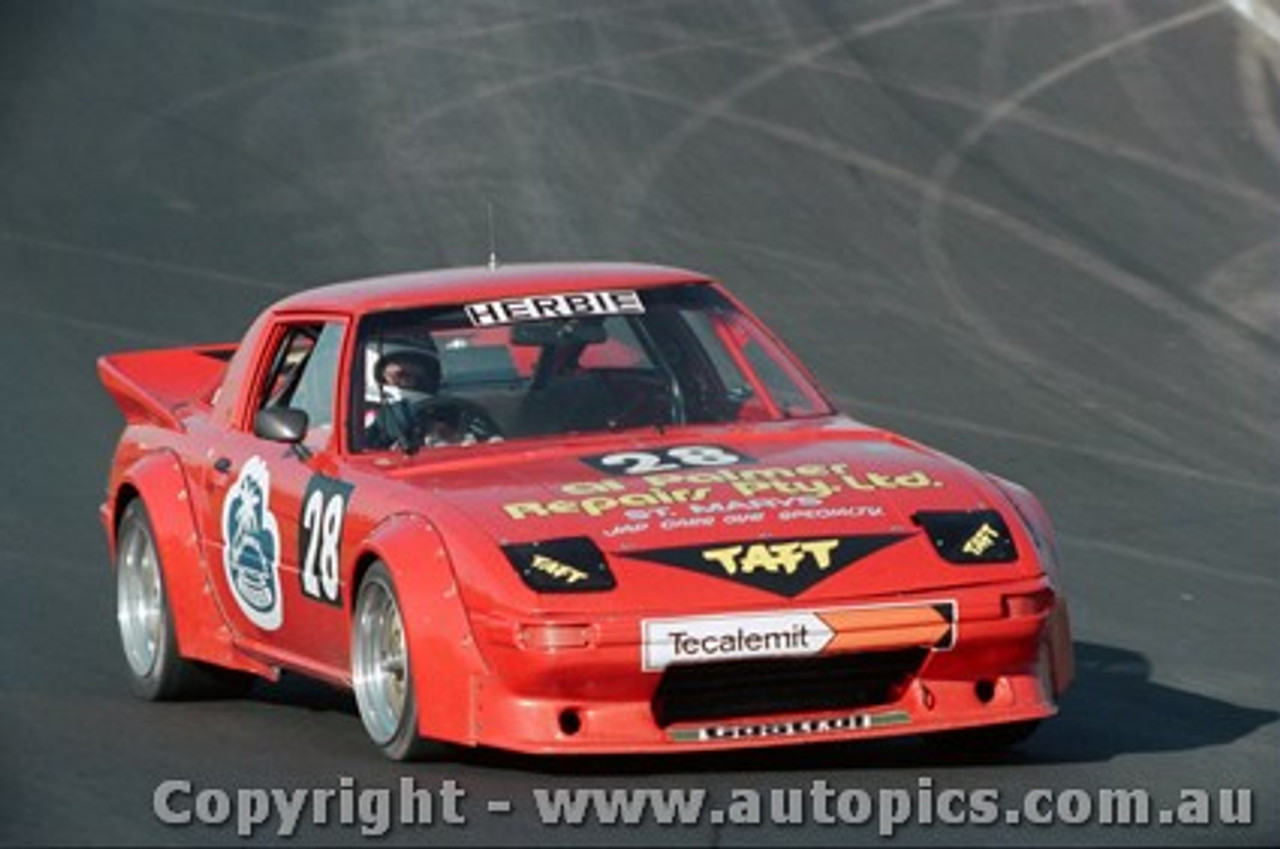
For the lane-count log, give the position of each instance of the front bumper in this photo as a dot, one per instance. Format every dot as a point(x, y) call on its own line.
point(999, 664)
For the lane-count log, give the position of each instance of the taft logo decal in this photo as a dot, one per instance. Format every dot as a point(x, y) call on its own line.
point(981, 541)
point(557, 571)
point(973, 537)
point(566, 565)
point(786, 568)
point(251, 546)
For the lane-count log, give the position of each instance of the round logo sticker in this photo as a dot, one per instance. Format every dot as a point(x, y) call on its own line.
point(251, 546)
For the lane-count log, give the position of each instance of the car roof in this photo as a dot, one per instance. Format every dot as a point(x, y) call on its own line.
point(479, 283)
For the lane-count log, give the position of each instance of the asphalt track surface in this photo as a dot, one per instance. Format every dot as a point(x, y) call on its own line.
point(1042, 236)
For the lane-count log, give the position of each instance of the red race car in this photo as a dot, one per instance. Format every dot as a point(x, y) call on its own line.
point(565, 508)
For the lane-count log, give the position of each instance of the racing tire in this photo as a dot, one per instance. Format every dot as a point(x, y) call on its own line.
point(381, 672)
point(157, 671)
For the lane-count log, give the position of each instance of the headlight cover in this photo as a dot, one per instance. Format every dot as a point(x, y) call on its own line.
point(564, 565)
point(968, 537)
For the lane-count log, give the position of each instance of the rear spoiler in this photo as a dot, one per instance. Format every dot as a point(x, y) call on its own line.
point(152, 386)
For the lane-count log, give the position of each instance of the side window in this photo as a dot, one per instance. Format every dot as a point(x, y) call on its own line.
point(789, 390)
point(304, 375)
point(730, 395)
point(316, 394)
point(286, 366)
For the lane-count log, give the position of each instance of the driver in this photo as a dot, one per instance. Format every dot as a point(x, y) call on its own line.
point(413, 413)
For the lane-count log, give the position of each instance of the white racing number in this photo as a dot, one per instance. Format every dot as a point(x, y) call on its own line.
point(665, 460)
point(324, 510)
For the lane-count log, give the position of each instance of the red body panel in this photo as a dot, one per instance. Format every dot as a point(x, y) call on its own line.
point(157, 477)
point(522, 702)
point(154, 386)
point(757, 540)
point(449, 286)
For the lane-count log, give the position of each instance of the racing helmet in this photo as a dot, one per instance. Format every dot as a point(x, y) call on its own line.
point(408, 374)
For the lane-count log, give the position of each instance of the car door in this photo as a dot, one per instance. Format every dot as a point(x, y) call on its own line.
point(275, 510)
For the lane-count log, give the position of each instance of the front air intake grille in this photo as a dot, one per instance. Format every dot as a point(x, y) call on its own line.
point(698, 692)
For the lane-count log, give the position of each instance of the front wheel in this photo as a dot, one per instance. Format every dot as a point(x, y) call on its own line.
point(381, 674)
point(157, 672)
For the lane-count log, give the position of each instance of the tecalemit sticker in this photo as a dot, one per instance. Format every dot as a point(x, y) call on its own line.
point(251, 546)
point(539, 307)
point(797, 633)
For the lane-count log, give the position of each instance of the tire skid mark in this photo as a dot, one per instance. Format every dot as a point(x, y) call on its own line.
point(1258, 71)
point(1155, 103)
point(905, 311)
point(149, 119)
point(993, 67)
point(1111, 457)
point(1008, 11)
point(1210, 571)
point(97, 328)
point(937, 197)
point(639, 186)
point(535, 78)
point(1217, 333)
point(961, 341)
point(400, 134)
point(266, 19)
point(1261, 14)
point(1044, 124)
point(583, 70)
point(1068, 252)
point(171, 116)
point(117, 257)
point(1256, 303)
point(515, 84)
point(387, 44)
point(1047, 125)
point(578, 69)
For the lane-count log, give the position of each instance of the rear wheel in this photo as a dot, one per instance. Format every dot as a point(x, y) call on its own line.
point(157, 672)
point(381, 674)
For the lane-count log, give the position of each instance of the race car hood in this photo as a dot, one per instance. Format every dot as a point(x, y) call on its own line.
point(760, 508)
point(710, 490)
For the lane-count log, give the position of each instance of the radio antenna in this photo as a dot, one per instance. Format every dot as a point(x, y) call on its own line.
point(493, 239)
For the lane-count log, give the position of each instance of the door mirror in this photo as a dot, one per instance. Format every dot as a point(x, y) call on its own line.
point(280, 424)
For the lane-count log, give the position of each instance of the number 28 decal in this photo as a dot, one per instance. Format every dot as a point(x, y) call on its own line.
point(324, 510)
point(665, 459)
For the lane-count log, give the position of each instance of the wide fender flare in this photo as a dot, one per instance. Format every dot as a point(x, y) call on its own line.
point(1058, 629)
point(447, 666)
point(199, 624)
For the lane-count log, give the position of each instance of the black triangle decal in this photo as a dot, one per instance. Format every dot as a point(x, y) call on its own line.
point(782, 567)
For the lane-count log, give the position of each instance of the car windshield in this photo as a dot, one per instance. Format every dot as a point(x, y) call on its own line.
point(566, 364)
